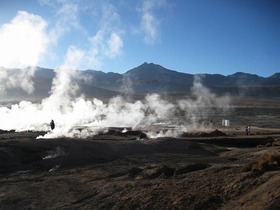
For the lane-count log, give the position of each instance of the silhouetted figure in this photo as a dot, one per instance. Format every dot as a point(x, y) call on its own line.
point(247, 129)
point(52, 125)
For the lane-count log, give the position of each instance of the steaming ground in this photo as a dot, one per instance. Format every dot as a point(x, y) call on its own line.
point(69, 111)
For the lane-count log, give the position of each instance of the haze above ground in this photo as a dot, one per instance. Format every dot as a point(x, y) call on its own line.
point(206, 36)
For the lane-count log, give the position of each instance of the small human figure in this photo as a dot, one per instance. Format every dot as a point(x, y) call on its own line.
point(247, 129)
point(52, 125)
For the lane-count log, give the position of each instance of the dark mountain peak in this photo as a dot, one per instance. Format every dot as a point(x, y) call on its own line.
point(148, 64)
point(150, 72)
point(147, 68)
point(152, 65)
point(245, 79)
point(145, 64)
point(251, 78)
point(275, 76)
point(243, 74)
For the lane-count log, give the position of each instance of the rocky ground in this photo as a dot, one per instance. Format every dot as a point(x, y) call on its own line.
point(121, 171)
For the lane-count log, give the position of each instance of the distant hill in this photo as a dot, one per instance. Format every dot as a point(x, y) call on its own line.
point(158, 73)
point(109, 81)
point(148, 78)
point(153, 78)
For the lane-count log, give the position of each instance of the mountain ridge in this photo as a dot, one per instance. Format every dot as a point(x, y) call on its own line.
point(145, 64)
point(154, 78)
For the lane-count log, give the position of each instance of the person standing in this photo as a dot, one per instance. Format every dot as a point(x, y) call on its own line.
point(247, 129)
point(52, 125)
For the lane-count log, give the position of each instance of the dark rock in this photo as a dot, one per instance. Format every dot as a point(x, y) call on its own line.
point(216, 133)
point(168, 172)
point(115, 133)
point(136, 133)
point(191, 168)
point(152, 173)
point(134, 171)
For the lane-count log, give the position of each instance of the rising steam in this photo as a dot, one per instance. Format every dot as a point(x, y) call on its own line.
point(16, 78)
point(78, 117)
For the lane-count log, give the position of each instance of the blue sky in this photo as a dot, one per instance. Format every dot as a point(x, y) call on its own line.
point(191, 36)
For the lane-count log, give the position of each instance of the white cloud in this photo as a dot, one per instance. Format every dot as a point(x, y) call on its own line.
point(67, 18)
point(96, 45)
point(73, 58)
point(149, 22)
point(68, 13)
point(149, 25)
point(115, 45)
point(107, 42)
point(23, 41)
point(45, 2)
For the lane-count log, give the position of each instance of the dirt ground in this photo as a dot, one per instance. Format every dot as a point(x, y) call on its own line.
point(118, 171)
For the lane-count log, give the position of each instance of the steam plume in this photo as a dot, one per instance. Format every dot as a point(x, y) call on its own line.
point(77, 117)
point(16, 79)
point(203, 103)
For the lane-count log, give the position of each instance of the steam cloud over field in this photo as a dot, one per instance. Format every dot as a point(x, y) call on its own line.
point(70, 111)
